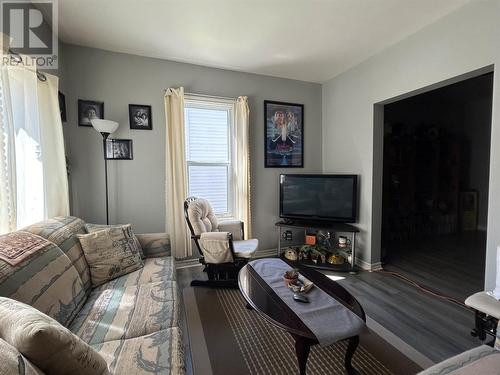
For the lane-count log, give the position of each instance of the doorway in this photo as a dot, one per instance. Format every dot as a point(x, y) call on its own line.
point(436, 159)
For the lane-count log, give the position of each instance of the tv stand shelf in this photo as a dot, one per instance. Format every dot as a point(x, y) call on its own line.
point(328, 227)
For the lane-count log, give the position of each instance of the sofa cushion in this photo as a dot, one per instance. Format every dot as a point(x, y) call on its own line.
point(45, 279)
point(155, 269)
point(132, 311)
point(13, 362)
point(91, 228)
point(46, 343)
point(155, 244)
point(482, 360)
point(62, 230)
point(110, 253)
point(157, 353)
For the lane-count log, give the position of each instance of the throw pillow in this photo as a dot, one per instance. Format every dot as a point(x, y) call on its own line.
point(91, 228)
point(14, 362)
point(110, 253)
point(46, 343)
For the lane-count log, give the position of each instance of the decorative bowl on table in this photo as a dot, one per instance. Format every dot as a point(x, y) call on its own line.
point(291, 277)
point(303, 285)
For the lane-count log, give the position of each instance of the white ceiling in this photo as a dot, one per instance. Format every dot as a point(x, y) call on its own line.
point(310, 40)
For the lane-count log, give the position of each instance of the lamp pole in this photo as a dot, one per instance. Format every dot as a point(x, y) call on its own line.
point(105, 127)
point(104, 138)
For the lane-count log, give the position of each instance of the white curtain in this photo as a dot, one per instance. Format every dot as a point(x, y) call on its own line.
point(33, 179)
point(176, 177)
point(242, 167)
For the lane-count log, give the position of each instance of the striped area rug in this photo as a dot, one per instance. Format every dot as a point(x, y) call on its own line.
point(267, 350)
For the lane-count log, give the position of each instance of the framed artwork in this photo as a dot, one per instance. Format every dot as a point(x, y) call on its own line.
point(88, 110)
point(62, 106)
point(140, 117)
point(119, 149)
point(284, 135)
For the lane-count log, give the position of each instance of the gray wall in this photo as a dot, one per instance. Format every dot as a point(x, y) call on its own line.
point(137, 187)
point(463, 41)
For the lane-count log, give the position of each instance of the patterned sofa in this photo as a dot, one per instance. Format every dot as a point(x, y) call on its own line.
point(132, 321)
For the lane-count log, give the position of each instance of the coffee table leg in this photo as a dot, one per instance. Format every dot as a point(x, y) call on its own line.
point(302, 349)
point(351, 349)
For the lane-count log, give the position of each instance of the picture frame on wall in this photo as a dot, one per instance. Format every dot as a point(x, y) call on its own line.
point(140, 117)
point(88, 110)
point(119, 149)
point(62, 106)
point(283, 135)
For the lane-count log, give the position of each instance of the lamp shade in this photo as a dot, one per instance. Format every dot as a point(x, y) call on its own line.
point(104, 126)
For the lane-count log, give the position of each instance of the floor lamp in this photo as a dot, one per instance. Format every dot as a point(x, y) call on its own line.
point(105, 127)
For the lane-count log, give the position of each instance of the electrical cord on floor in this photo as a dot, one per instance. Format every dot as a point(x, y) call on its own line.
point(425, 289)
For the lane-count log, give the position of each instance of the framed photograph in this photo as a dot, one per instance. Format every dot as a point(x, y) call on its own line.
point(140, 117)
point(284, 135)
point(119, 149)
point(88, 110)
point(62, 106)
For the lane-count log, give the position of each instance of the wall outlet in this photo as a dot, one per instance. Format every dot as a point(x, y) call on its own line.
point(287, 235)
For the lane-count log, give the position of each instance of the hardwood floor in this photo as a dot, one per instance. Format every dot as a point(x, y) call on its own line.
point(450, 264)
point(436, 328)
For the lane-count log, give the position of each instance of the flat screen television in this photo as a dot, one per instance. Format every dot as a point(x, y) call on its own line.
point(322, 197)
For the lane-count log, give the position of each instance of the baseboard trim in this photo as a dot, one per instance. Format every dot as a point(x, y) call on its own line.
point(368, 266)
point(265, 253)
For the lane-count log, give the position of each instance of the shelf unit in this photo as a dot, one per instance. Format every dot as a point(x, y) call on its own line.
point(347, 252)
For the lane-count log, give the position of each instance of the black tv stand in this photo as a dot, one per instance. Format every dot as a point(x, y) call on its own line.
point(327, 227)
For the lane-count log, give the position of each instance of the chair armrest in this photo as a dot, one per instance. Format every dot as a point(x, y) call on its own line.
point(484, 303)
point(216, 247)
point(235, 227)
point(155, 244)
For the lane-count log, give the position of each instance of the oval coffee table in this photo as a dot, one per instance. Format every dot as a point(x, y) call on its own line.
point(261, 297)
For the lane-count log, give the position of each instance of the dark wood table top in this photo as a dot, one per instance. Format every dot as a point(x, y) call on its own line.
point(262, 298)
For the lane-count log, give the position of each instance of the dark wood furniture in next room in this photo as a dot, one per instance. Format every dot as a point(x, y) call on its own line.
point(262, 298)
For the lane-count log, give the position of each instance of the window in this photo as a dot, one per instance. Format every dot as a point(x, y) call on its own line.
point(209, 152)
point(23, 147)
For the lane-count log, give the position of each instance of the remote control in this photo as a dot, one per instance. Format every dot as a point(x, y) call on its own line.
point(300, 298)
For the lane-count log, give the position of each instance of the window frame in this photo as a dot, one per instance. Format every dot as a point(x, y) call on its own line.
point(229, 105)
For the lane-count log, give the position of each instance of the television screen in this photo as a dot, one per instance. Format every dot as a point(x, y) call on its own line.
point(320, 197)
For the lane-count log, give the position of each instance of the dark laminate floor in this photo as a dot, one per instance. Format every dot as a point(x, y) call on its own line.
point(436, 328)
point(450, 264)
